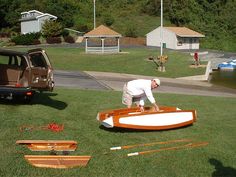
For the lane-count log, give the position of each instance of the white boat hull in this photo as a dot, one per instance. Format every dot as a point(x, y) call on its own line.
point(147, 120)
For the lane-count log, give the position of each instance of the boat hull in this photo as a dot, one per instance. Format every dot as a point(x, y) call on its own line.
point(132, 118)
point(49, 161)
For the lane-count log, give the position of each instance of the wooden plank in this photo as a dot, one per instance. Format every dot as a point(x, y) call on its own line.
point(52, 161)
point(49, 145)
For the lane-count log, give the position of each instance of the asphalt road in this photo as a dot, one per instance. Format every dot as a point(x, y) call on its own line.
point(115, 81)
point(76, 79)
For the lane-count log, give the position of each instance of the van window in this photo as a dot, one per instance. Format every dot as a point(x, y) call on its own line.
point(4, 59)
point(38, 60)
point(12, 60)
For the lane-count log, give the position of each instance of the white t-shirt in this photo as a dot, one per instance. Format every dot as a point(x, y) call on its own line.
point(140, 87)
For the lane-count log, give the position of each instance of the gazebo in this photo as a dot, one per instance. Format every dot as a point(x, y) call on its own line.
point(95, 40)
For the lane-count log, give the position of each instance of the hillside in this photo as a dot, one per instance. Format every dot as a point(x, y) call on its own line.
point(135, 18)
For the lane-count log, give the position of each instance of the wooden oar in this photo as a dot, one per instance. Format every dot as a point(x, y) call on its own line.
point(189, 145)
point(149, 144)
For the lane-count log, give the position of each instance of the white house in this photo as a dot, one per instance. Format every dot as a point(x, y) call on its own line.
point(174, 38)
point(33, 20)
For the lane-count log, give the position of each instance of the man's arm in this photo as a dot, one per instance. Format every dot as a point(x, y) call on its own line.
point(156, 107)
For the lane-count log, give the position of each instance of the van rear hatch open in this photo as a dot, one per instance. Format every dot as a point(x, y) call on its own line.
point(23, 73)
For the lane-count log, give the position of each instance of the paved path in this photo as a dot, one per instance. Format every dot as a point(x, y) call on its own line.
point(76, 79)
point(115, 81)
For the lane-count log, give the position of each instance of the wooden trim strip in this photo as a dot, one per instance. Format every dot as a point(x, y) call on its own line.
point(51, 161)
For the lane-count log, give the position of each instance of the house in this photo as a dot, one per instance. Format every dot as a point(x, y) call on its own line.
point(102, 40)
point(33, 20)
point(174, 38)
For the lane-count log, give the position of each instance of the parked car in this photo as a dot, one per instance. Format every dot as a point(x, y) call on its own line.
point(24, 73)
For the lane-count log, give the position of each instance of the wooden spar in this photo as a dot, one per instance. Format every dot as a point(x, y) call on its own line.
point(189, 145)
point(149, 144)
point(52, 161)
point(49, 145)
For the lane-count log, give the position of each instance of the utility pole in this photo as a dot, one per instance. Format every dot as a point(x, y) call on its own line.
point(162, 59)
point(94, 14)
point(161, 32)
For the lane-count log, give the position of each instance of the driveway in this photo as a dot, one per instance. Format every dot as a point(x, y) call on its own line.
point(115, 81)
point(77, 79)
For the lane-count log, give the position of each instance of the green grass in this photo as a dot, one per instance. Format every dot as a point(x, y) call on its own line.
point(77, 110)
point(133, 61)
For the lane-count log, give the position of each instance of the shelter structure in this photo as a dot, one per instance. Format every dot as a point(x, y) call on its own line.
point(102, 40)
point(174, 38)
point(33, 20)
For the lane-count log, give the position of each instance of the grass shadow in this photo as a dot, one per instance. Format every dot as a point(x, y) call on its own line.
point(46, 100)
point(39, 98)
point(221, 170)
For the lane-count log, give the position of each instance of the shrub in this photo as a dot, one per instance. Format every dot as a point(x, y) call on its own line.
point(4, 35)
point(51, 29)
point(53, 40)
point(65, 33)
point(69, 39)
point(131, 32)
point(36, 42)
point(26, 39)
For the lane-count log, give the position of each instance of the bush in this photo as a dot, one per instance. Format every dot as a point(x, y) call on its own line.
point(65, 33)
point(26, 39)
point(131, 32)
point(36, 42)
point(53, 40)
point(69, 39)
point(51, 29)
point(4, 35)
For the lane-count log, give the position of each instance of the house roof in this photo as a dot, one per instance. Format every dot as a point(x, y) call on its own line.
point(102, 31)
point(184, 32)
point(31, 11)
point(46, 14)
point(34, 15)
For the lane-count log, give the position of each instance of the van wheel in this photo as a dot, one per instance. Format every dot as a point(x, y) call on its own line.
point(27, 99)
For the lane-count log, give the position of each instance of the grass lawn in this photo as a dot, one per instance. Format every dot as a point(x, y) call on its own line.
point(134, 61)
point(77, 110)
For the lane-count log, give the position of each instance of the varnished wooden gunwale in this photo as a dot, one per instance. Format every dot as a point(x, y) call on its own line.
point(49, 145)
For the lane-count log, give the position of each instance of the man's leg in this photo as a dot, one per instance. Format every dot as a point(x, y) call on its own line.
point(126, 97)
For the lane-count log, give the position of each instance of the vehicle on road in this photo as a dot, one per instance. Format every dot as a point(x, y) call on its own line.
point(24, 73)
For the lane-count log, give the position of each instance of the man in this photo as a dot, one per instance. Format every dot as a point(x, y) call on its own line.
point(138, 91)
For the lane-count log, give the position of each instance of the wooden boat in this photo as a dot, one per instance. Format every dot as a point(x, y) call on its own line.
point(133, 118)
point(54, 161)
point(49, 145)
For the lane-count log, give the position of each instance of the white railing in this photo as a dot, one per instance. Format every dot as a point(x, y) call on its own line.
point(113, 49)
